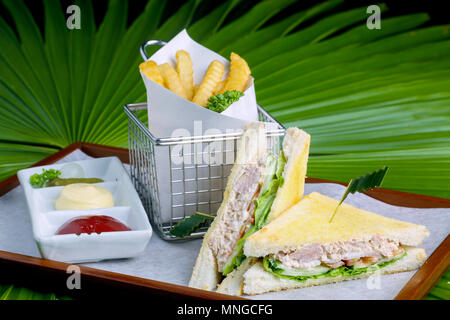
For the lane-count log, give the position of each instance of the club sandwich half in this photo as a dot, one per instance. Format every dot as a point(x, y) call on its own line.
point(302, 248)
point(260, 187)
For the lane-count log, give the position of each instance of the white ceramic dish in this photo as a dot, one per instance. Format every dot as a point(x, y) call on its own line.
point(81, 248)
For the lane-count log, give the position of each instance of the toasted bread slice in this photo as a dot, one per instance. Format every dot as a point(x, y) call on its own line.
point(307, 222)
point(296, 150)
point(253, 144)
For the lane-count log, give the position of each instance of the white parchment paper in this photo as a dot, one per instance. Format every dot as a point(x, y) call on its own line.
point(163, 104)
point(173, 262)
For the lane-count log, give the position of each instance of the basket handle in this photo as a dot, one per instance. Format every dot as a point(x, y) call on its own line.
point(150, 43)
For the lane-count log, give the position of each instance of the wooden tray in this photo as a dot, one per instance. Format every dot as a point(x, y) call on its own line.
point(47, 275)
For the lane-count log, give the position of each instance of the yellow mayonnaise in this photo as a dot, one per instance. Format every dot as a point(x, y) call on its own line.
point(83, 196)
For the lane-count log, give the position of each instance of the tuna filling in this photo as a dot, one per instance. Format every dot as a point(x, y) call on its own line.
point(239, 215)
point(336, 254)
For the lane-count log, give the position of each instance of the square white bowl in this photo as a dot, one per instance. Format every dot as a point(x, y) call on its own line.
point(82, 248)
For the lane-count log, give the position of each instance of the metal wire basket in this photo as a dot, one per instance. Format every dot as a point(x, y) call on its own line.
point(188, 186)
point(171, 191)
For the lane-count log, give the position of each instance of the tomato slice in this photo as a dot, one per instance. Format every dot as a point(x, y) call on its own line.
point(92, 224)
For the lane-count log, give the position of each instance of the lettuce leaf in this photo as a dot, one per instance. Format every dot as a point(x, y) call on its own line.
point(238, 257)
point(271, 168)
point(280, 168)
point(263, 204)
point(265, 200)
point(274, 266)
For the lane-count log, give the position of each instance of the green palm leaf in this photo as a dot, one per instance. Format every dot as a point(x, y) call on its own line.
point(12, 292)
point(248, 23)
point(18, 156)
point(254, 40)
point(207, 26)
point(368, 98)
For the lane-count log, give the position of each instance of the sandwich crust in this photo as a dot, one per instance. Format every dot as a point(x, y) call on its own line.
point(233, 284)
point(205, 275)
point(296, 149)
point(307, 222)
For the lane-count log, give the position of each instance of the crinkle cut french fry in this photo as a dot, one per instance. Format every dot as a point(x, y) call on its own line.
point(238, 76)
point(151, 71)
point(185, 72)
point(209, 84)
point(171, 79)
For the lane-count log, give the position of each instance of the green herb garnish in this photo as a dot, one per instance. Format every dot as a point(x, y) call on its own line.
point(39, 180)
point(222, 101)
point(188, 225)
point(366, 182)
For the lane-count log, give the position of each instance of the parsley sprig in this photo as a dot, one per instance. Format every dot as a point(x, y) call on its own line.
point(222, 101)
point(39, 180)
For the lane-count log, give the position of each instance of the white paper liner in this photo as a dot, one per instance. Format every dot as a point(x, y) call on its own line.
point(168, 111)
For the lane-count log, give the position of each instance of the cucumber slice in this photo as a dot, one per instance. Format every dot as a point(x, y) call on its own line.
point(304, 272)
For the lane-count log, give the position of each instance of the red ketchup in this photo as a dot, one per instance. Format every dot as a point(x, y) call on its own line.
point(91, 224)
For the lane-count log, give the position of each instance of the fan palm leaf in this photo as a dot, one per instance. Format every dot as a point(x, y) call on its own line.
point(367, 97)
